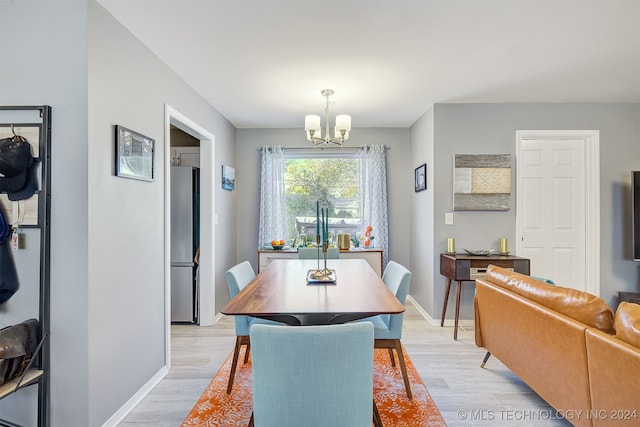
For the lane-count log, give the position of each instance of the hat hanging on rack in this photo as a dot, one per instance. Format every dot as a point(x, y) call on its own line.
point(17, 168)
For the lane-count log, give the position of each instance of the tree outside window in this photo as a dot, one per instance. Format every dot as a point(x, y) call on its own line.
point(334, 182)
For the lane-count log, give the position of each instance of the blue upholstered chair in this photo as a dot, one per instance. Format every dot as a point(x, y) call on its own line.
point(237, 278)
point(544, 279)
point(312, 253)
point(388, 327)
point(313, 376)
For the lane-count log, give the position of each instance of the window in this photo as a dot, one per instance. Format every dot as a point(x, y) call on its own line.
point(334, 181)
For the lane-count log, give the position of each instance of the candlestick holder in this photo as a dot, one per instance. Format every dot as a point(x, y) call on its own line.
point(451, 245)
point(323, 275)
point(503, 246)
point(325, 248)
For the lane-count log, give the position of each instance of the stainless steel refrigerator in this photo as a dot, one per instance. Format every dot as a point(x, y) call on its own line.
point(185, 232)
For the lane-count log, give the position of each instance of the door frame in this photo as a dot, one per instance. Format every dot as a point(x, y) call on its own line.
point(591, 140)
point(206, 291)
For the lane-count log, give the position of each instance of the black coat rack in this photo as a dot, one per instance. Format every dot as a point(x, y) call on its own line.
point(37, 372)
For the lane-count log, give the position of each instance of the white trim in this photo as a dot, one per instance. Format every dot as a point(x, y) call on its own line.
point(135, 400)
point(218, 317)
point(206, 297)
point(592, 197)
point(465, 324)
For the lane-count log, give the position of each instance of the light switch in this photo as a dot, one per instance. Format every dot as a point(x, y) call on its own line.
point(216, 219)
point(448, 218)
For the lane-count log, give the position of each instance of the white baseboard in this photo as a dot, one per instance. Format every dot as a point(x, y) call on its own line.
point(465, 324)
point(121, 414)
point(217, 317)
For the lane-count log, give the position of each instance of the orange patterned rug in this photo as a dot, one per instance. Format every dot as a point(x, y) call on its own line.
point(216, 408)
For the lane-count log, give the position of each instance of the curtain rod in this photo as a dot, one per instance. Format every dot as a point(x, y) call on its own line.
point(332, 149)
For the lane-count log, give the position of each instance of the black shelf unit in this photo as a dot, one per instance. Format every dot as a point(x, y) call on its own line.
point(38, 373)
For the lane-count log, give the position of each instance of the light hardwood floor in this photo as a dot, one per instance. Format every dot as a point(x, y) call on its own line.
point(466, 394)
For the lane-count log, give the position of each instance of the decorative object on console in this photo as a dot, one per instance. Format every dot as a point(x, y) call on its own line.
point(344, 241)
point(277, 244)
point(314, 130)
point(480, 252)
point(451, 245)
point(302, 239)
point(503, 246)
point(482, 182)
point(368, 238)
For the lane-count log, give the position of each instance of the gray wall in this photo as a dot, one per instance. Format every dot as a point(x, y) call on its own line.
point(43, 46)
point(126, 227)
point(107, 238)
point(422, 263)
point(399, 179)
point(490, 128)
point(107, 233)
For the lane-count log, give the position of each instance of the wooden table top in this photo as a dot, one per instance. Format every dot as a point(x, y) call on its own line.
point(281, 292)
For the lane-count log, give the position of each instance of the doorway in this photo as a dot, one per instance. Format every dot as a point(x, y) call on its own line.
point(206, 291)
point(558, 206)
point(185, 226)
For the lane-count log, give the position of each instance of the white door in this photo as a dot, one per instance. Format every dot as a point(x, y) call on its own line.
point(555, 208)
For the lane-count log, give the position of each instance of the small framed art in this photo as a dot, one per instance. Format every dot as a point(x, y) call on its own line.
point(228, 177)
point(420, 177)
point(134, 154)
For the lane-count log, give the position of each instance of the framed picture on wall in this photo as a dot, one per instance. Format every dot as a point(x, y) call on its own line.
point(482, 182)
point(420, 177)
point(228, 177)
point(134, 154)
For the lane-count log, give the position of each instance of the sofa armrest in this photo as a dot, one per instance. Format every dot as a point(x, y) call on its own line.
point(614, 380)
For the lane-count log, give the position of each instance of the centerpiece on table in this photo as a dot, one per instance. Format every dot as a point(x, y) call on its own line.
point(322, 275)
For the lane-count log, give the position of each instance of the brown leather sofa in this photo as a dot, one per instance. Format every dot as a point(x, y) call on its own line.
point(567, 345)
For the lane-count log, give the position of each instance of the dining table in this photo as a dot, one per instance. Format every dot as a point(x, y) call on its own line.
point(283, 292)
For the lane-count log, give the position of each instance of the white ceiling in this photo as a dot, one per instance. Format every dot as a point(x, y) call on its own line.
point(263, 63)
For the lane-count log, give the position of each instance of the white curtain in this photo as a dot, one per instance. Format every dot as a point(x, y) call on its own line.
point(273, 218)
point(373, 172)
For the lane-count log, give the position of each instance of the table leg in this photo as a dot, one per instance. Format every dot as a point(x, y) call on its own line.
point(446, 300)
point(455, 327)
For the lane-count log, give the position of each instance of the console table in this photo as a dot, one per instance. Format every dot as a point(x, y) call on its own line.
point(372, 256)
point(467, 268)
point(633, 297)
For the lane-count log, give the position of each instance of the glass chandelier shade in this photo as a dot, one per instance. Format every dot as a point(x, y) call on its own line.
point(313, 128)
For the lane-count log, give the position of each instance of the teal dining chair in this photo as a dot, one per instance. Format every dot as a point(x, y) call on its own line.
point(312, 253)
point(544, 279)
point(388, 327)
point(238, 277)
point(313, 376)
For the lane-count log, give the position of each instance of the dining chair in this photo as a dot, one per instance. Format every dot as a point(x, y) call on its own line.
point(387, 328)
point(544, 279)
point(237, 278)
point(312, 253)
point(313, 376)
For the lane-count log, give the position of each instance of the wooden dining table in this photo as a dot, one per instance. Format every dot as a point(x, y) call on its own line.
point(281, 292)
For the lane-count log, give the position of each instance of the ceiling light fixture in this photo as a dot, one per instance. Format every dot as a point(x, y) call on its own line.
point(314, 131)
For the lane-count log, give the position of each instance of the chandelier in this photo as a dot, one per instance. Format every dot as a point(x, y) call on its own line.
point(314, 131)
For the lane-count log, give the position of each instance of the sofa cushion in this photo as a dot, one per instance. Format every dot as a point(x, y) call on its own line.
point(582, 306)
point(627, 323)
